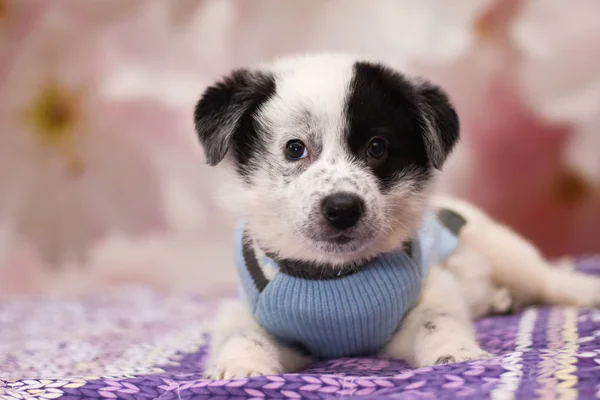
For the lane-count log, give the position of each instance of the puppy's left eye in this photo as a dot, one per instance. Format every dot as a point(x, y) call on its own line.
point(377, 148)
point(295, 150)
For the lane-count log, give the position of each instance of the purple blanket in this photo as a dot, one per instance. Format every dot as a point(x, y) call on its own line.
point(135, 343)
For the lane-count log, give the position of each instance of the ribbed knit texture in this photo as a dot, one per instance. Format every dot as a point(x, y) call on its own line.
point(352, 315)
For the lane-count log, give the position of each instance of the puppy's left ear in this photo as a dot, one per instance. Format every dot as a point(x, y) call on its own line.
point(443, 127)
point(225, 110)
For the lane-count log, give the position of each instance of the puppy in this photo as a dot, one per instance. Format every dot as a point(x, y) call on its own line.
point(342, 250)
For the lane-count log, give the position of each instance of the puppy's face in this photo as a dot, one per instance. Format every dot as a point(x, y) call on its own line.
point(333, 157)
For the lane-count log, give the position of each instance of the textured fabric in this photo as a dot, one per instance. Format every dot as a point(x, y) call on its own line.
point(352, 315)
point(134, 343)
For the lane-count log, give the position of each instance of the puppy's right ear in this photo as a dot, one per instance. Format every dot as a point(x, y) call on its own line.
point(225, 110)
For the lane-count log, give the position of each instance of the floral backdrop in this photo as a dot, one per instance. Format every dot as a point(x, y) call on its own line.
point(102, 179)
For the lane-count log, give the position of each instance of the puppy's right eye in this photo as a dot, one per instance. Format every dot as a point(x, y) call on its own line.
point(295, 150)
point(377, 148)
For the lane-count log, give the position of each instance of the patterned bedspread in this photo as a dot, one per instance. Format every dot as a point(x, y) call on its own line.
point(134, 343)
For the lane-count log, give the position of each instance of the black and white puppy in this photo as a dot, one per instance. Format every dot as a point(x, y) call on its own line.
point(303, 128)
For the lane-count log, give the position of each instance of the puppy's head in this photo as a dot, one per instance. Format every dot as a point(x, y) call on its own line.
point(332, 156)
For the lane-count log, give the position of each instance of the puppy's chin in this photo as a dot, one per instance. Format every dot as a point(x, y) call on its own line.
point(343, 245)
point(349, 250)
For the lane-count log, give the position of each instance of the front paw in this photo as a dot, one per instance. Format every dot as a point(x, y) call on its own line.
point(453, 354)
point(243, 357)
point(241, 367)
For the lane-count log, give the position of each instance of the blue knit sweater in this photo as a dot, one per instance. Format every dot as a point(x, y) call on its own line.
point(341, 315)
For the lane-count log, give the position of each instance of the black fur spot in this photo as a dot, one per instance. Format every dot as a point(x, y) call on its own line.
point(258, 343)
point(445, 360)
point(408, 248)
point(451, 220)
point(384, 103)
point(224, 116)
point(430, 326)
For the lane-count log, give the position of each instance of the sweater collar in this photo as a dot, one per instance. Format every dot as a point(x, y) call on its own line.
point(298, 268)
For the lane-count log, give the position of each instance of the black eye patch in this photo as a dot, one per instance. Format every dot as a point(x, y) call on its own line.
point(382, 103)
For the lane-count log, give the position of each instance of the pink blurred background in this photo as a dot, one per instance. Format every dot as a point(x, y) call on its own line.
point(102, 180)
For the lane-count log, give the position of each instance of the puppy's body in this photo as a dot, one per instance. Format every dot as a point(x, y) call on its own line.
point(333, 159)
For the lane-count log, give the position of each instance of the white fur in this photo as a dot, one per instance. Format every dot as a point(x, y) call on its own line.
point(493, 270)
point(240, 347)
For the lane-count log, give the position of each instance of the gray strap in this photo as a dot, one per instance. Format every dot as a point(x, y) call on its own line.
point(256, 272)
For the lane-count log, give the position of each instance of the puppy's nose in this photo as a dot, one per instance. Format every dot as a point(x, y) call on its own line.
point(342, 210)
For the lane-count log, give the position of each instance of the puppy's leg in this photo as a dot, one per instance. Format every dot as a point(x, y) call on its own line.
point(518, 266)
point(438, 330)
point(241, 348)
point(474, 274)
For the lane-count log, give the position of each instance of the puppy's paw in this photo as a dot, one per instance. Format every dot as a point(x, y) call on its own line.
point(586, 293)
point(452, 354)
point(242, 367)
point(501, 301)
point(570, 288)
point(242, 357)
point(596, 301)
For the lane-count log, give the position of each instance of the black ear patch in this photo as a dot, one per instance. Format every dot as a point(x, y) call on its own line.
point(442, 121)
point(224, 114)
